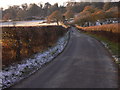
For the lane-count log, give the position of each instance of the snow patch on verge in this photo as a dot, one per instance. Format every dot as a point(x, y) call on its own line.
point(15, 73)
point(116, 58)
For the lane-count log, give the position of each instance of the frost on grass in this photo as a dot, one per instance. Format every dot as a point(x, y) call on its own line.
point(15, 73)
point(116, 58)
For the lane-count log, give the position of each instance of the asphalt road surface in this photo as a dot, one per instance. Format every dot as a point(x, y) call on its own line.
point(84, 63)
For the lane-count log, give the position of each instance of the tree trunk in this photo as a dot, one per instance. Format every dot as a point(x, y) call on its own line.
point(18, 55)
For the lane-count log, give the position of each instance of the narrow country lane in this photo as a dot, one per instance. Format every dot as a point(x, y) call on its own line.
point(84, 63)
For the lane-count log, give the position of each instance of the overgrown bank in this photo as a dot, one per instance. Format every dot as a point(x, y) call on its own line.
point(22, 42)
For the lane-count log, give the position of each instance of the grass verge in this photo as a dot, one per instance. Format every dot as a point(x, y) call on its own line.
point(112, 46)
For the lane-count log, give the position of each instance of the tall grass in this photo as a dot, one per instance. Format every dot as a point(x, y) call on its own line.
point(114, 28)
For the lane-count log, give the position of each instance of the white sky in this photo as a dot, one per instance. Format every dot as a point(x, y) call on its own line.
point(6, 3)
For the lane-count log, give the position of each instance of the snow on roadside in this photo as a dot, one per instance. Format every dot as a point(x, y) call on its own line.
point(114, 56)
point(17, 72)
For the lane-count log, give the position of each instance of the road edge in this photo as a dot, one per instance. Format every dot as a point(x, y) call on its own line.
point(110, 54)
point(44, 65)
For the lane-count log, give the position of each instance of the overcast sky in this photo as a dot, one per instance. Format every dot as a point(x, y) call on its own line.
point(6, 3)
